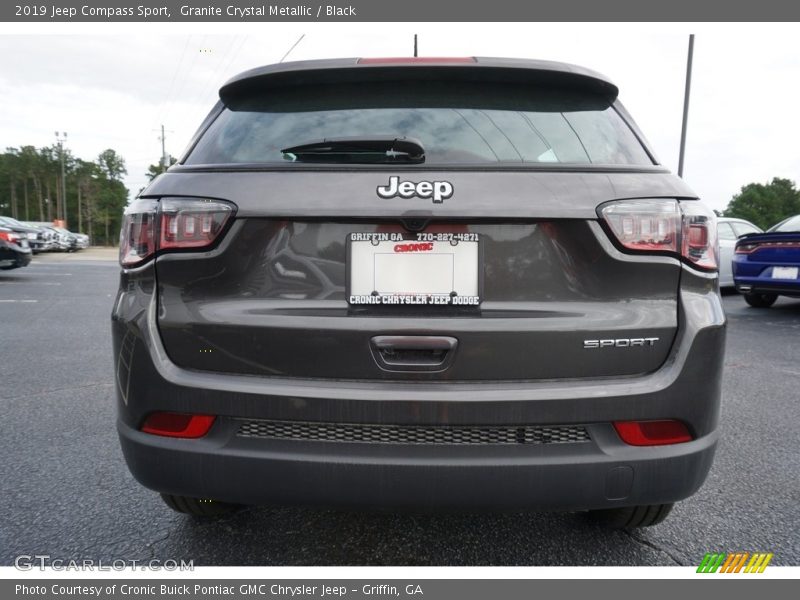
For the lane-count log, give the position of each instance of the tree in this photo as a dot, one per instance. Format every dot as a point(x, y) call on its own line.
point(765, 204)
point(30, 186)
point(112, 165)
point(113, 195)
point(154, 171)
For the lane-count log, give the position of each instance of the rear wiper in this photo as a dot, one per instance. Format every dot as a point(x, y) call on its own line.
point(373, 149)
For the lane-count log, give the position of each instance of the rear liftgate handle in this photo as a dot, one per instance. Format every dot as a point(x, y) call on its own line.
point(413, 352)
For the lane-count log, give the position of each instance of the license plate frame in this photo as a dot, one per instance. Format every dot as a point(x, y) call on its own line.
point(395, 258)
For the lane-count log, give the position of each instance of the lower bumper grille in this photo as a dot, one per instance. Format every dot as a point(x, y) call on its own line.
point(412, 434)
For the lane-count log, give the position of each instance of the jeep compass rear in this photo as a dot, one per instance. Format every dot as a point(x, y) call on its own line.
point(419, 283)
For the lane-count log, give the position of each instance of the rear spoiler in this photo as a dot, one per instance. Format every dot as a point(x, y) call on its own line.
point(483, 70)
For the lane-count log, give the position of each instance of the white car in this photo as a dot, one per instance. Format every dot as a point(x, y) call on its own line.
point(729, 230)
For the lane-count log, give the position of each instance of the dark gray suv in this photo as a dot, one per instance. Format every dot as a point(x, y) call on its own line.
point(420, 283)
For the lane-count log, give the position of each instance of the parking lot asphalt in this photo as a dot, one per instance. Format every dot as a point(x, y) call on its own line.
point(68, 494)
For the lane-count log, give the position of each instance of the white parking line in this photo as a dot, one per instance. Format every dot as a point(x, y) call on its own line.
point(29, 283)
point(18, 301)
point(54, 273)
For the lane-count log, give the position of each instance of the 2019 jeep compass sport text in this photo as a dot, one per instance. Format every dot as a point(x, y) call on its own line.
point(420, 283)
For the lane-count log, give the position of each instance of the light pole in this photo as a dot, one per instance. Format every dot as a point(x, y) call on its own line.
point(61, 138)
point(686, 93)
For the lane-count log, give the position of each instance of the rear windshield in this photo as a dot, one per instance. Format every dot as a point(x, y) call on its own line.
point(790, 225)
point(457, 123)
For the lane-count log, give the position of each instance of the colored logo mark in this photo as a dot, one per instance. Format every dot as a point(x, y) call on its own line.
point(735, 562)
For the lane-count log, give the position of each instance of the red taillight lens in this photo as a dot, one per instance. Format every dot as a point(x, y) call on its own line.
point(9, 236)
point(746, 248)
point(137, 240)
point(645, 225)
point(652, 433)
point(699, 235)
point(656, 225)
point(750, 247)
point(191, 223)
point(184, 223)
point(178, 425)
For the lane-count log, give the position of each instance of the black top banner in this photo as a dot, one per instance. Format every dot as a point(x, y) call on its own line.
point(401, 11)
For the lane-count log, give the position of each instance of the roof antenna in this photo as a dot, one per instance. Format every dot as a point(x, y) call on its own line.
point(292, 48)
point(415, 45)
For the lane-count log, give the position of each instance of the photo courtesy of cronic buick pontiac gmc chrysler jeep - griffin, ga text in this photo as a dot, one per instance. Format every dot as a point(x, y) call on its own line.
point(426, 283)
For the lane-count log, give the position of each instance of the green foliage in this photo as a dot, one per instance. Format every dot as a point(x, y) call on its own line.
point(154, 171)
point(765, 204)
point(30, 189)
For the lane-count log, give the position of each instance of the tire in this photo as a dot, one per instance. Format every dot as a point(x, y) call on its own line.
point(760, 300)
point(198, 507)
point(631, 517)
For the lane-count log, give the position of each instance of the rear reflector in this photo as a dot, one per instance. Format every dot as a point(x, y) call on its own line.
point(178, 425)
point(652, 433)
point(417, 60)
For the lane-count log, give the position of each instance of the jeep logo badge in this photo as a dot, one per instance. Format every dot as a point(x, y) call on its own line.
point(437, 190)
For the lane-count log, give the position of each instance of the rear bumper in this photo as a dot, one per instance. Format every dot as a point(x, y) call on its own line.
point(756, 277)
point(763, 285)
point(13, 256)
point(603, 472)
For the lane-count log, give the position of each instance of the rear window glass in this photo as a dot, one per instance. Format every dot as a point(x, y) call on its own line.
point(790, 225)
point(457, 123)
point(744, 228)
point(725, 231)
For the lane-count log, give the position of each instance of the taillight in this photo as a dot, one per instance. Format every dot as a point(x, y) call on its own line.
point(177, 425)
point(750, 247)
point(699, 236)
point(655, 225)
point(746, 248)
point(652, 433)
point(172, 223)
point(137, 240)
point(9, 236)
point(191, 223)
point(646, 225)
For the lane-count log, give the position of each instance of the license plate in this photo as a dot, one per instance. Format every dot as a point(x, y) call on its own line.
point(784, 272)
point(414, 269)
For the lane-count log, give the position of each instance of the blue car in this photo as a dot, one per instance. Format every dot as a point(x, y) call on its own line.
point(767, 265)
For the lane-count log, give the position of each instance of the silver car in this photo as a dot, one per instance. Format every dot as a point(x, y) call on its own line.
point(729, 230)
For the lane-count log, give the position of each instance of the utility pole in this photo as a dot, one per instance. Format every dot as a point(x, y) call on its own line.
point(686, 104)
point(164, 159)
point(415, 45)
point(61, 138)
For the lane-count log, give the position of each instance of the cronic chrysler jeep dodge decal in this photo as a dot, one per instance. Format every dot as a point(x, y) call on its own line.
point(437, 190)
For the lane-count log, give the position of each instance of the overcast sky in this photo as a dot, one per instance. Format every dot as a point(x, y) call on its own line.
point(113, 85)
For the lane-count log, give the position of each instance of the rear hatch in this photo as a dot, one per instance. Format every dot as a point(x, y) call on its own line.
point(485, 261)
